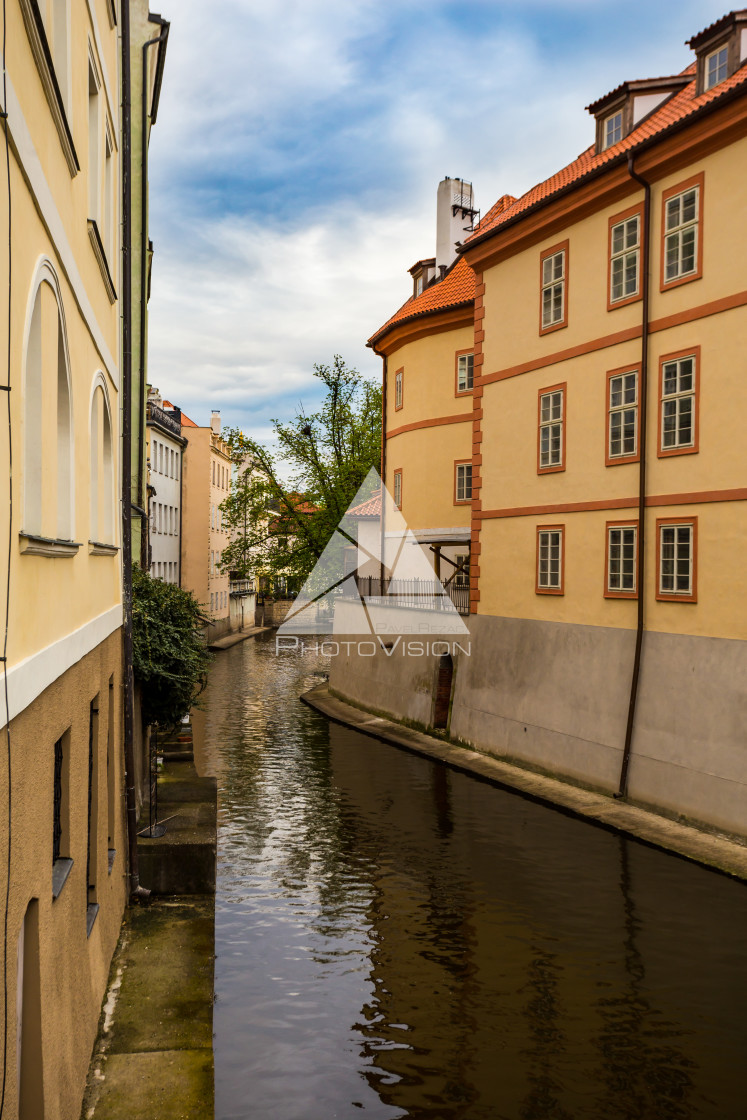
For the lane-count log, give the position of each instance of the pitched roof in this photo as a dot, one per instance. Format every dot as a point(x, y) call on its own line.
point(455, 290)
point(369, 508)
point(673, 111)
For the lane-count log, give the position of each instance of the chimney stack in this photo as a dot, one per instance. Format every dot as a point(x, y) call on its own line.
point(215, 421)
point(455, 213)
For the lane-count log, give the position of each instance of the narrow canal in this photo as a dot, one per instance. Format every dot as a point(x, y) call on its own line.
point(395, 939)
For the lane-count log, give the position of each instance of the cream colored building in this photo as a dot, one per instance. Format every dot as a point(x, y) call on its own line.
point(206, 483)
point(61, 783)
point(165, 446)
point(607, 470)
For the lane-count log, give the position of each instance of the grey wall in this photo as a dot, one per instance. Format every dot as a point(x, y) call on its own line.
point(555, 697)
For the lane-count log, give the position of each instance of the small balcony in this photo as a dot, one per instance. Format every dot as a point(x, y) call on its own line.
point(418, 594)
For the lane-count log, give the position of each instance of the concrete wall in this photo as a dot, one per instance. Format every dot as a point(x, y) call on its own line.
point(555, 696)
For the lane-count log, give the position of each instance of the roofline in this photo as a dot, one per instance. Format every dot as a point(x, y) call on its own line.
point(640, 85)
point(596, 172)
point(383, 331)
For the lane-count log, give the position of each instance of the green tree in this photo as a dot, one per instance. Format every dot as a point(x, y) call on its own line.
point(170, 658)
point(285, 505)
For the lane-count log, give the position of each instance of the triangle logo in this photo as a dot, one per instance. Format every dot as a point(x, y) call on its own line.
point(373, 578)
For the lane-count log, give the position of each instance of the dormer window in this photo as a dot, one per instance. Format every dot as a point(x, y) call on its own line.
point(721, 49)
point(612, 129)
point(716, 67)
point(422, 273)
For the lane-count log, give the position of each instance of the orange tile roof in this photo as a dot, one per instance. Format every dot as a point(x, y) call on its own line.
point(455, 290)
point(369, 508)
point(187, 423)
point(672, 112)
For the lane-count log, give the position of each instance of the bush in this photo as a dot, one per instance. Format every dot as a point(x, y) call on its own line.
point(170, 658)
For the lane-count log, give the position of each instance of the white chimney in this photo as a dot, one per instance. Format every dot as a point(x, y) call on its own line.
point(455, 211)
point(215, 421)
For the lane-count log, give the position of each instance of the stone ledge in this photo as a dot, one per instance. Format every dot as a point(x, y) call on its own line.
point(715, 852)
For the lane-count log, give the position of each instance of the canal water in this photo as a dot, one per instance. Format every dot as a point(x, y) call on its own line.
point(395, 939)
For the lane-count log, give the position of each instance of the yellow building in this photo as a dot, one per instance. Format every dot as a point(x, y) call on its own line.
point(61, 782)
point(608, 499)
point(206, 482)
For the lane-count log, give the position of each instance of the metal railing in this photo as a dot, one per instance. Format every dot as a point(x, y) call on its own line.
point(418, 594)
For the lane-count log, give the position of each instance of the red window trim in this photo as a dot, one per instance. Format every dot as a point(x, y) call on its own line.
point(397, 372)
point(630, 523)
point(615, 220)
point(617, 460)
point(665, 453)
point(457, 355)
point(561, 246)
point(667, 596)
point(694, 181)
point(540, 394)
point(398, 471)
point(461, 501)
point(550, 590)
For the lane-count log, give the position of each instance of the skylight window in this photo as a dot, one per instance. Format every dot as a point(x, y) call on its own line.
point(716, 67)
point(612, 129)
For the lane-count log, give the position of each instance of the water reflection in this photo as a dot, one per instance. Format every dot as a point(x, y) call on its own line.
point(398, 940)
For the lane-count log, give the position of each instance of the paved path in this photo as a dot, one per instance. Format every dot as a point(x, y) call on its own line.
point(717, 852)
point(154, 1056)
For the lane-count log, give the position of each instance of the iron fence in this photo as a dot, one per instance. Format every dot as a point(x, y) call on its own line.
point(419, 594)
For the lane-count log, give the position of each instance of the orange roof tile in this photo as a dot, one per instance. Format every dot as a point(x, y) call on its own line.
point(673, 111)
point(187, 423)
point(369, 508)
point(456, 289)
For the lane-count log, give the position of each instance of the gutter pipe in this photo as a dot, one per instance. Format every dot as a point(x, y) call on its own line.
point(161, 38)
point(385, 378)
point(642, 434)
point(136, 891)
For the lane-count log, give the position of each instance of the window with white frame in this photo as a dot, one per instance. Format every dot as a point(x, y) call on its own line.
point(398, 489)
point(461, 576)
point(612, 129)
point(623, 415)
point(681, 214)
point(716, 67)
point(553, 289)
point(463, 482)
point(621, 558)
point(676, 559)
point(551, 429)
point(550, 560)
point(398, 388)
point(465, 372)
point(625, 251)
point(678, 403)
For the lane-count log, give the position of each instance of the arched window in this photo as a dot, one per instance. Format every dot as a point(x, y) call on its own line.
point(48, 479)
point(101, 528)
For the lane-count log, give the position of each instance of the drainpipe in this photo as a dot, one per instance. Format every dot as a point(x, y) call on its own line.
point(642, 431)
point(136, 891)
point(382, 571)
point(143, 276)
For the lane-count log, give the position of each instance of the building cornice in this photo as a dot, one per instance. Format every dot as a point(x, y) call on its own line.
point(424, 324)
point(717, 124)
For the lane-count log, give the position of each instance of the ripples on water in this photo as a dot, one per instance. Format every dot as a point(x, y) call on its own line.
point(394, 939)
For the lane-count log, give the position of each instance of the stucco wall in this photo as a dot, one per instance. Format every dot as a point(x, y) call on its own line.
point(73, 968)
point(555, 696)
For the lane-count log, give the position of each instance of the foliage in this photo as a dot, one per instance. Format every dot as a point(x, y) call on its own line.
point(169, 653)
point(284, 507)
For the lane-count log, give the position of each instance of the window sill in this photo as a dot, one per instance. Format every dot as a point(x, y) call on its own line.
point(43, 58)
point(96, 548)
point(92, 911)
point(112, 857)
point(98, 251)
point(61, 868)
point(31, 545)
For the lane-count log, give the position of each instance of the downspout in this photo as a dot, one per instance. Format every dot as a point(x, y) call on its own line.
point(136, 891)
point(382, 571)
point(642, 433)
point(143, 280)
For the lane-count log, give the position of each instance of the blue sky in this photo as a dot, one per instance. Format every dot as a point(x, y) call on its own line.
point(298, 149)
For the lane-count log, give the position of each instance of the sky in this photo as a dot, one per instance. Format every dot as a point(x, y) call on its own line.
point(297, 152)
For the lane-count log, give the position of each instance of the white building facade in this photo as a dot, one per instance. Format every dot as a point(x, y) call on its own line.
point(165, 449)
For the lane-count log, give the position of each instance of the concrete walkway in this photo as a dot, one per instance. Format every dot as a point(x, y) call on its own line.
point(238, 636)
point(717, 852)
point(154, 1054)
